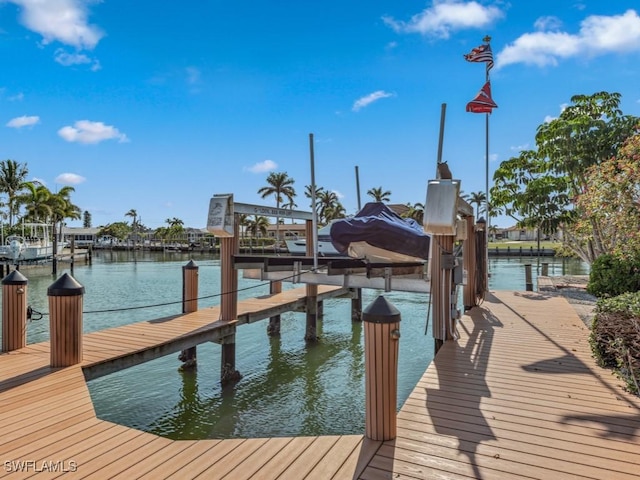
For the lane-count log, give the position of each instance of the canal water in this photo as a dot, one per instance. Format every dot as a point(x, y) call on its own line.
point(288, 388)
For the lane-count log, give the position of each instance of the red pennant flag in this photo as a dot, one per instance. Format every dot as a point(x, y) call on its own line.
point(483, 103)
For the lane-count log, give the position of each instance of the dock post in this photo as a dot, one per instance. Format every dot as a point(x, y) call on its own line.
point(189, 304)
point(65, 321)
point(311, 332)
point(545, 269)
point(381, 338)
point(229, 306)
point(273, 329)
point(14, 311)
point(470, 265)
point(356, 304)
point(311, 307)
point(528, 280)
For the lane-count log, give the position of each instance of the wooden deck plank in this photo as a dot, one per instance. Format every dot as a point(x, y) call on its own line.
point(516, 396)
point(309, 458)
point(279, 462)
point(180, 460)
point(251, 466)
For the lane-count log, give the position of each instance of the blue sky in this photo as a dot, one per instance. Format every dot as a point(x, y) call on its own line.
point(156, 106)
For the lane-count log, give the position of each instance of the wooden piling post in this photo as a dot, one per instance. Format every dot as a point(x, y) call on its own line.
point(381, 335)
point(65, 321)
point(441, 290)
point(311, 331)
point(14, 311)
point(356, 304)
point(190, 274)
point(273, 329)
point(229, 305)
point(528, 279)
point(469, 256)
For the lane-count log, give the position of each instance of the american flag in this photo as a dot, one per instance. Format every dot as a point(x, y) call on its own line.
point(481, 54)
point(483, 103)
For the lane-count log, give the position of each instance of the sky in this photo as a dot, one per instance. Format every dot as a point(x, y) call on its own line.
point(157, 106)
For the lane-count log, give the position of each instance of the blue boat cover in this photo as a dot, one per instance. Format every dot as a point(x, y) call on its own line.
point(381, 227)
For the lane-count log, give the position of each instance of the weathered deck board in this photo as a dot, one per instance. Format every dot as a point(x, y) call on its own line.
point(517, 396)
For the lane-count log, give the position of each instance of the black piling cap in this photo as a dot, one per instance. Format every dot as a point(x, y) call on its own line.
point(15, 278)
point(65, 286)
point(381, 311)
point(191, 265)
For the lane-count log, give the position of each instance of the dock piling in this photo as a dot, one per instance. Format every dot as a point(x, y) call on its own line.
point(273, 329)
point(189, 304)
point(381, 336)
point(528, 279)
point(14, 311)
point(65, 321)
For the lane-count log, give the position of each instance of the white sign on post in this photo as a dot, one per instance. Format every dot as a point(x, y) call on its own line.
point(220, 218)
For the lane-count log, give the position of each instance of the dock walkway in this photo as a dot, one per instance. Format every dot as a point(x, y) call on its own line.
point(516, 396)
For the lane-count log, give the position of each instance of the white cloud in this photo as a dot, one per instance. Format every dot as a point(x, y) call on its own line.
point(23, 121)
point(64, 21)
point(85, 131)
point(69, 179)
point(39, 180)
point(598, 35)
point(261, 167)
point(445, 16)
point(67, 59)
point(369, 99)
point(18, 97)
point(547, 23)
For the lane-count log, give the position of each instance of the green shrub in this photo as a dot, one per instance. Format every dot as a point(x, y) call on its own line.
point(613, 275)
point(615, 337)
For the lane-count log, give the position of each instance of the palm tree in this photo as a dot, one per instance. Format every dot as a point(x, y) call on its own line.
point(415, 211)
point(378, 195)
point(133, 213)
point(281, 187)
point(477, 198)
point(35, 199)
point(328, 206)
point(257, 224)
point(12, 179)
point(61, 209)
point(290, 205)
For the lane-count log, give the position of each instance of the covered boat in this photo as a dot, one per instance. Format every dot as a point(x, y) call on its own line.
point(379, 235)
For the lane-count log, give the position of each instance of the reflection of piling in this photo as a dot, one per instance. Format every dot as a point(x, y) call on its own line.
point(65, 321)
point(381, 335)
point(189, 304)
point(273, 329)
point(14, 311)
point(528, 279)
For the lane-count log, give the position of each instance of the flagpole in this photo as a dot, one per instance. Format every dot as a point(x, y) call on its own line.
point(486, 39)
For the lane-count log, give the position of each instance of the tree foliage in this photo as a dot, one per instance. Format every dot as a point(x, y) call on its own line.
point(540, 188)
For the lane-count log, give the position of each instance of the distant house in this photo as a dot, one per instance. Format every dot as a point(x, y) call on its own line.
point(81, 237)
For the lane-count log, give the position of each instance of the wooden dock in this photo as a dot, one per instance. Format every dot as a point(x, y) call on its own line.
point(516, 396)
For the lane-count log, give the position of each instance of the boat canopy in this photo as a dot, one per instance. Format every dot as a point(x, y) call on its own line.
point(380, 227)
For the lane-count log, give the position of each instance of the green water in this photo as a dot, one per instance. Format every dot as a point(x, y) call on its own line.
point(288, 387)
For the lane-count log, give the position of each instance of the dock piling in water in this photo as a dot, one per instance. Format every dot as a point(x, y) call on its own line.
point(65, 321)
point(189, 304)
